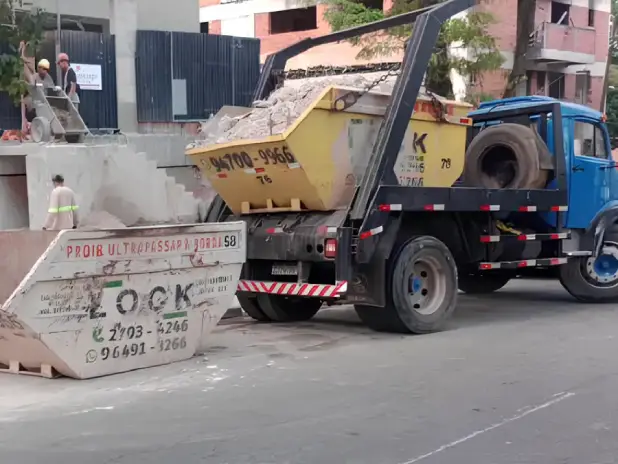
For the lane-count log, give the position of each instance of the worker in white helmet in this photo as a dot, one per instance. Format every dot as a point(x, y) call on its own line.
point(62, 212)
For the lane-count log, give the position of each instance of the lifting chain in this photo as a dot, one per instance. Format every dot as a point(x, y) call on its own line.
point(350, 98)
point(438, 107)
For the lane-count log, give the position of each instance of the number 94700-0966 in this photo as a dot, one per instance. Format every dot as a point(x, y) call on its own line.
point(242, 159)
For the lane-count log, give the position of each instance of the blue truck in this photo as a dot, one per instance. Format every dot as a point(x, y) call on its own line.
point(539, 192)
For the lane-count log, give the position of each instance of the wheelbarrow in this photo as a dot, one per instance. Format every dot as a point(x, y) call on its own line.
point(56, 116)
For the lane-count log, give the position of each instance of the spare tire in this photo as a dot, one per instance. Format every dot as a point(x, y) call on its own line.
point(507, 156)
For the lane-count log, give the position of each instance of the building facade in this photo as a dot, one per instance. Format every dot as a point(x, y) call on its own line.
point(566, 59)
point(98, 15)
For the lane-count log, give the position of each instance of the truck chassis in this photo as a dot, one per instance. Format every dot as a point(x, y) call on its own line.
point(400, 250)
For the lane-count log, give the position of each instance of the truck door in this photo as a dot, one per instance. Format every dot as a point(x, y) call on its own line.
point(591, 172)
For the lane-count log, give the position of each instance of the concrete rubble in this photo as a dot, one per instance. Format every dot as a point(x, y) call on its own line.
point(275, 114)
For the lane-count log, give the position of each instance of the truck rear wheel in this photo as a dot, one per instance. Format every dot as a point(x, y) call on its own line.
point(478, 284)
point(593, 280)
point(421, 290)
point(251, 307)
point(280, 308)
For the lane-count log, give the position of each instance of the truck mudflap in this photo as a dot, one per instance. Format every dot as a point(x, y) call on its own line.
point(293, 289)
point(108, 301)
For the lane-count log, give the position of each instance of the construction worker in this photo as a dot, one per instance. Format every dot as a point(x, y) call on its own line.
point(69, 79)
point(62, 212)
point(42, 73)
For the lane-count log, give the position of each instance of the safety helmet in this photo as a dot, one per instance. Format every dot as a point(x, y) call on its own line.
point(44, 64)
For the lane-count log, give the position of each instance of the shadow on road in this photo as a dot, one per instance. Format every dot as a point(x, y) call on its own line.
point(521, 300)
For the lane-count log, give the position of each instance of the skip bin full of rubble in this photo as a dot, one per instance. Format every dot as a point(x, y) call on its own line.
point(299, 150)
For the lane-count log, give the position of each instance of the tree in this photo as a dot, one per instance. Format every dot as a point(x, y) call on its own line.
point(468, 33)
point(611, 110)
point(17, 26)
point(525, 27)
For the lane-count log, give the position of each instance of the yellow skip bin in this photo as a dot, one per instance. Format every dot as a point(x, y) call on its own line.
point(320, 158)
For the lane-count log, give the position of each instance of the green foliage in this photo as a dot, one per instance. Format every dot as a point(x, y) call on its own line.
point(612, 113)
point(477, 98)
point(468, 33)
point(17, 26)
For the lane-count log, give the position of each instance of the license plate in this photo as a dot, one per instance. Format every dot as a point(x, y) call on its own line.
point(284, 270)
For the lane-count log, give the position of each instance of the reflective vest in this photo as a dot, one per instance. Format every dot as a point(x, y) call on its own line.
point(62, 211)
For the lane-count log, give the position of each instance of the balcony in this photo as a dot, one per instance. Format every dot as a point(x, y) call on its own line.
point(560, 43)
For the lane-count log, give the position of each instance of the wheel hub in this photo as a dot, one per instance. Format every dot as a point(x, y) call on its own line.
point(604, 268)
point(426, 286)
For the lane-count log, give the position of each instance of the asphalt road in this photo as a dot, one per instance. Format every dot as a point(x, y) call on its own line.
point(523, 376)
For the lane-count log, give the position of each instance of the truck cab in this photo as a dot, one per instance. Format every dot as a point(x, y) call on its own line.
point(591, 174)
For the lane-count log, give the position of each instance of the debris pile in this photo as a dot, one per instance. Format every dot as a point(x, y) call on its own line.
point(274, 115)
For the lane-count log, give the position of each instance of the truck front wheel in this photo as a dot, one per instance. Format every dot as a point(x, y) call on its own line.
point(280, 308)
point(595, 279)
point(421, 290)
point(474, 284)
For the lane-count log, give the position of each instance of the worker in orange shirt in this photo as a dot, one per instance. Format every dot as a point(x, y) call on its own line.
point(62, 212)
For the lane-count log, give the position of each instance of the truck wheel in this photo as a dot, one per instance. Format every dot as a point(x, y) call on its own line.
point(250, 306)
point(482, 283)
point(421, 290)
point(288, 309)
point(593, 280)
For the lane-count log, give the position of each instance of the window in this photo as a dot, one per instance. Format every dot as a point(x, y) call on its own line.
point(590, 17)
point(204, 28)
point(298, 19)
point(560, 13)
point(540, 83)
point(582, 87)
point(589, 140)
point(556, 85)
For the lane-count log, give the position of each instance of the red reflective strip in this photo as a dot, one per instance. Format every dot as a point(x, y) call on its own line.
point(384, 207)
point(313, 290)
point(222, 176)
point(365, 235)
point(522, 264)
point(264, 286)
point(254, 287)
point(325, 289)
point(338, 287)
point(302, 289)
point(555, 261)
point(281, 289)
point(485, 238)
point(555, 236)
point(259, 170)
point(486, 266)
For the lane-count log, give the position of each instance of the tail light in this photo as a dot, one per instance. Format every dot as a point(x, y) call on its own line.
point(330, 248)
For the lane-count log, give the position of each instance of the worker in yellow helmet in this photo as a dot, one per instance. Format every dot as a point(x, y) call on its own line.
point(41, 76)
